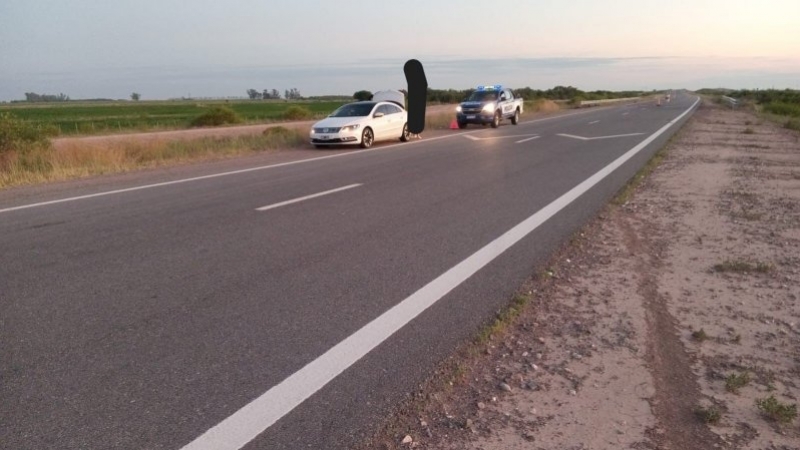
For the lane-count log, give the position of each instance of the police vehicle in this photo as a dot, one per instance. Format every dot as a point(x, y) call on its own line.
point(489, 104)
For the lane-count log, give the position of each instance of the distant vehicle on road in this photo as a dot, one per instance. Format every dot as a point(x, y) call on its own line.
point(363, 123)
point(489, 105)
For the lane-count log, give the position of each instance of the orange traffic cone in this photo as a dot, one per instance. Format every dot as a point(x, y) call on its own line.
point(454, 125)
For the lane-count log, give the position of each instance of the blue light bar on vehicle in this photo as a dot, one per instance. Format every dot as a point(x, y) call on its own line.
point(491, 87)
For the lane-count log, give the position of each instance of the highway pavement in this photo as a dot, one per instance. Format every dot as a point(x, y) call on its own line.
point(291, 305)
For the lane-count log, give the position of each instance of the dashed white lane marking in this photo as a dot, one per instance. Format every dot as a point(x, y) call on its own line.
point(307, 197)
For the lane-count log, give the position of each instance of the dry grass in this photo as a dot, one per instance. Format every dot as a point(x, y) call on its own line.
point(541, 105)
point(82, 160)
point(439, 121)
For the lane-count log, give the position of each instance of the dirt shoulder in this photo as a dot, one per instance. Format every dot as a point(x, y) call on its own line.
point(671, 321)
point(197, 133)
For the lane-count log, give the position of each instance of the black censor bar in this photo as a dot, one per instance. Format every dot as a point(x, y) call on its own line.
point(417, 95)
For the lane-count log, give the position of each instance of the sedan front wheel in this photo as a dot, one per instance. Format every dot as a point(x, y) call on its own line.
point(367, 138)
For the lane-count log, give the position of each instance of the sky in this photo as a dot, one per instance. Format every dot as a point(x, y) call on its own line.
point(200, 48)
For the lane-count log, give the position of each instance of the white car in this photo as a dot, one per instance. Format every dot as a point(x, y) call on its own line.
point(364, 123)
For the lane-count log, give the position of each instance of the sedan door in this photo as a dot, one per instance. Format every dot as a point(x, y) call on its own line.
point(396, 121)
point(380, 125)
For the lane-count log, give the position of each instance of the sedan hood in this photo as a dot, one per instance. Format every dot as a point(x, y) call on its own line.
point(336, 122)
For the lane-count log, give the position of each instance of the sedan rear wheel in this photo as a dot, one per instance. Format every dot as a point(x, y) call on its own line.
point(367, 138)
point(406, 135)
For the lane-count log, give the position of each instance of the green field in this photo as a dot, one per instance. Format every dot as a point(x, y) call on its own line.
point(75, 117)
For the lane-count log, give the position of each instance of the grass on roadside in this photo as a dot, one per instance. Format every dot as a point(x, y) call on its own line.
point(504, 318)
point(75, 161)
point(792, 124)
point(92, 118)
point(630, 187)
point(738, 266)
point(439, 121)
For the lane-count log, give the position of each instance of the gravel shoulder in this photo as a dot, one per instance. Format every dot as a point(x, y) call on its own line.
point(665, 324)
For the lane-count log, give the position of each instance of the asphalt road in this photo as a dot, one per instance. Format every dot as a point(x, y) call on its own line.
point(145, 318)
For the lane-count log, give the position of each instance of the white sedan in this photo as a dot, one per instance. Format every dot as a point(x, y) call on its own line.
point(363, 123)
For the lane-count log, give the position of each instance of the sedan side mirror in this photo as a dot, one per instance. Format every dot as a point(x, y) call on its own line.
point(377, 115)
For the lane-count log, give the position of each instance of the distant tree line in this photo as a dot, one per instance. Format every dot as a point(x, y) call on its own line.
point(34, 97)
point(274, 94)
point(557, 93)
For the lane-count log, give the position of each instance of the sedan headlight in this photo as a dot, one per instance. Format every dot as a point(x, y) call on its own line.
point(489, 107)
point(351, 127)
point(458, 108)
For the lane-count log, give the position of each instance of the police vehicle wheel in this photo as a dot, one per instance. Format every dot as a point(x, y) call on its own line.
point(405, 136)
point(496, 120)
point(515, 119)
point(367, 138)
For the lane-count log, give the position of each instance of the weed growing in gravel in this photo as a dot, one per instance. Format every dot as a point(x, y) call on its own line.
point(748, 215)
point(710, 415)
point(734, 382)
point(743, 267)
point(776, 410)
point(700, 335)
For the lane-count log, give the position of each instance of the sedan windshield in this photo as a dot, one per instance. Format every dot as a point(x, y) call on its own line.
point(482, 96)
point(354, 110)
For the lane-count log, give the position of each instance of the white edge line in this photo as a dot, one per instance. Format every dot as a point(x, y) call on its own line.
point(526, 140)
point(252, 169)
point(592, 123)
point(625, 113)
point(616, 136)
point(307, 197)
point(600, 137)
point(254, 418)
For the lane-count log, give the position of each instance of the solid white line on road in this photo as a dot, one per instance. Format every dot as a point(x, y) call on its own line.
point(625, 113)
point(598, 137)
point(307, 197)
point(271, 166)
point(526, 140)
point(251, 420)
point(592, 123)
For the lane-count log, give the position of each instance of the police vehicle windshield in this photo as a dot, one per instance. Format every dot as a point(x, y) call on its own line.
point(482, 96)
